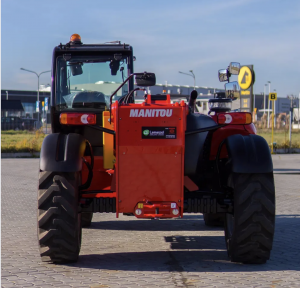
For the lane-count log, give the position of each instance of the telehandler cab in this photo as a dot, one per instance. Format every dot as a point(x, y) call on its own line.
point(156, 159)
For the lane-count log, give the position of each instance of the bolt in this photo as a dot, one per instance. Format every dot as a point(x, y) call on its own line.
point(120, 201)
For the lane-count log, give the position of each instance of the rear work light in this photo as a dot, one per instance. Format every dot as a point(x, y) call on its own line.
point(235, 118)
point(77, 119)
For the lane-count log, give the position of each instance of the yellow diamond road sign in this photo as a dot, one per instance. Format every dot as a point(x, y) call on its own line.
point(273, 96)
point(245, 77)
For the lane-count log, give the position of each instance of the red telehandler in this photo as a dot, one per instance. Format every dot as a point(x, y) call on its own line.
point(156, 159)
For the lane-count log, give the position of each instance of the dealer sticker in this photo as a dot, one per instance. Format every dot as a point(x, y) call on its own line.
point(158, 132)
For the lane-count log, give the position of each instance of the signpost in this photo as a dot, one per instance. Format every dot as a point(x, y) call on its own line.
point(46, 109)
point(246, 80)
point(273, 98)
point(43, 110)
point(46, 104)
point(37, 109)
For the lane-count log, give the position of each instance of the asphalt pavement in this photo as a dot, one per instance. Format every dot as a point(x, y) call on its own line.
point(127, 252)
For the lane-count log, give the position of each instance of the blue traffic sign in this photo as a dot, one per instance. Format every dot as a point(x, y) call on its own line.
point(46, 104)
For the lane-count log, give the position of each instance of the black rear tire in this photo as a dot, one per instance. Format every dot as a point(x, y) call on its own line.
point(249, 231)
point(59, 223)
point(215, 220)
point(86, 219)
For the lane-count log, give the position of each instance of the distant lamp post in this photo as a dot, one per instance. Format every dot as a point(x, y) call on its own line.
point(292, 97)
point(6, 113)
point(265, 98)
point(190, 74)
point(274, 117)
point(269, 104)
point(38, 91)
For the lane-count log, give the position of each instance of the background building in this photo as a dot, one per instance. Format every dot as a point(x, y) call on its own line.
point(28, 101)
point(12, 108)
point(11, 99)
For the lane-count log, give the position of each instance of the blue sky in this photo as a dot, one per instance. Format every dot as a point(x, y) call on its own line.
point(167, 37)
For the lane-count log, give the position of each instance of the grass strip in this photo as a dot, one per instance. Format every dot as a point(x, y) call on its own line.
point(21, 141)
point(28, 141)
point(281, 137)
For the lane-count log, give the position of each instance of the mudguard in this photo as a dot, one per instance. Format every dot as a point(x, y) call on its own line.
point(249, 154)
point(62, 152)
point(194, 144)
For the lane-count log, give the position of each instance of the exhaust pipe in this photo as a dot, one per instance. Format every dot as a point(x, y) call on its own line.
point(192, 101)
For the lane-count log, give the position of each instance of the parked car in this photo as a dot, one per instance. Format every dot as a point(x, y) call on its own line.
point(29, 123)
point(17, 123)
point(11, 123)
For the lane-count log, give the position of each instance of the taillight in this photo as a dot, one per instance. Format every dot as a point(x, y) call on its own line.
point(235, 118)
point(77, 119)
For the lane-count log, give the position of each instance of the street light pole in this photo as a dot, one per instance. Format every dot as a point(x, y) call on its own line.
point(192, 75)
point(38, 90)
point(269, 104)
point(291, 120)
point(274, 116)
point(6, 113)
point(265, 99)
point(194, 78)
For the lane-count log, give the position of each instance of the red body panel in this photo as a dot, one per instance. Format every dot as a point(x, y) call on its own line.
point(148, 170)
point(222, 133)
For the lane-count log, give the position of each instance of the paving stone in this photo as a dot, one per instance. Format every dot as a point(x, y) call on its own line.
point(127, 252)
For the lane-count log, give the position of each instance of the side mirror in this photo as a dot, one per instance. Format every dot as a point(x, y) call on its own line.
point(145, 79)
point(114, 66)
point(232, 90)
point(223, 75)
point(76, 69)
point(234, 68)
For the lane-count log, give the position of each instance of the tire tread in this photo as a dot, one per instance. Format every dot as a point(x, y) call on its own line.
point(59, 231)
point(254, 219)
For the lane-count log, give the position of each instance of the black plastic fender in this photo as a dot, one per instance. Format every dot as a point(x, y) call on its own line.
point(62, 152)
point(249, 154)
point(194, 143)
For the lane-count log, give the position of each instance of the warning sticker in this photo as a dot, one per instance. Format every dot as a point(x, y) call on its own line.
point(158, 132)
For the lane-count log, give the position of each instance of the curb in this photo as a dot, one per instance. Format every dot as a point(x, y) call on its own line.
point(286, 151)
point(37, 154)
point(21, 155)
